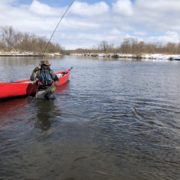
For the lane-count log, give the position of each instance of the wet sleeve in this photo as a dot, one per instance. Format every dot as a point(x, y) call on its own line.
point(33, 76)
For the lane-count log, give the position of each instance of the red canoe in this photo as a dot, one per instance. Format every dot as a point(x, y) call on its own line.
point(26, 87)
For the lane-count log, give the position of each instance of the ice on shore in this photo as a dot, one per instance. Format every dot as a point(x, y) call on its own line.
point(131, 56)
point(26, 53)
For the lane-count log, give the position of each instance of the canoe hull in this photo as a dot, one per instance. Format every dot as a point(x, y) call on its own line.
point(26, 87)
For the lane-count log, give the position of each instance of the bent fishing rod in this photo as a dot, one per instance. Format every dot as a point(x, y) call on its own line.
point(61, 18)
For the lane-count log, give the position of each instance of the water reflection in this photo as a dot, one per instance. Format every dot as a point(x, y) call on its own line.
point(18, 61)
point(62, 89)
point(46, 113)
point(9, 109)
point(16, 68)
point(115, 120)
point(48, 110)
point(22, 61)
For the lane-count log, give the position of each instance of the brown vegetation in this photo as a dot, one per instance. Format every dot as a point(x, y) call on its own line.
point(18, 41)
point(132, 46)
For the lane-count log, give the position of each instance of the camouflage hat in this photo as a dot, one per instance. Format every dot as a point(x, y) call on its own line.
point(45, 62)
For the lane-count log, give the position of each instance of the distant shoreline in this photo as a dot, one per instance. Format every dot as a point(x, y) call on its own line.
point(131, 56)
point(27, 54)
point(171, 57)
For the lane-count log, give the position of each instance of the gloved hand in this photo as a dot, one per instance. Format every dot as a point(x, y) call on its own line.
point(56, 83)
point(53, 88)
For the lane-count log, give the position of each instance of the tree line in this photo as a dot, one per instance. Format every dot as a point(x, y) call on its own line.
point(11, 39)
point(133, 46)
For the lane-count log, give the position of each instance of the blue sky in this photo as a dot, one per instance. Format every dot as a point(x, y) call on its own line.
point(90, 22)
point(61, 3)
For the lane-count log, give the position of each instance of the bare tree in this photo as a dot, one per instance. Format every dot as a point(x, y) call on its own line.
point(8, 37)
point(11, 39)
point(105, 47)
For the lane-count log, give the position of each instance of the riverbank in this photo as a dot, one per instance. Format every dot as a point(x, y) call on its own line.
point(28, 54)
point(131, 56)
point(170, 57)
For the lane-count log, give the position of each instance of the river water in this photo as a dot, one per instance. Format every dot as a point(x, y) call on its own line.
point(114, 120)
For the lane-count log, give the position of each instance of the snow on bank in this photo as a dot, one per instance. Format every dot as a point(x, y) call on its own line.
point(131, 56)
point(26, 53)
point(99, 55)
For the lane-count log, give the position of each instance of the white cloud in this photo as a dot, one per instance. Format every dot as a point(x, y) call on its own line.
point(157, 13)
point(75, 24)
point(123, 7)
point(85, 9)
point(43, 9)
point(168, 36)
point(159, 5)
point(88, 24)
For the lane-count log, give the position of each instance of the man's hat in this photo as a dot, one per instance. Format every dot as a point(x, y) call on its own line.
point(45, 62)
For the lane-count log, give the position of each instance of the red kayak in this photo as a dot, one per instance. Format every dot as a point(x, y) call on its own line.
point(27, 87)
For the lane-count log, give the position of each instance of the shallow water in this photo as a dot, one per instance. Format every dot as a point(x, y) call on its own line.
point(114, 120)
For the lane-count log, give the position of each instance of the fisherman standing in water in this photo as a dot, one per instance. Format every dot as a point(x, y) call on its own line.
point(46, 80)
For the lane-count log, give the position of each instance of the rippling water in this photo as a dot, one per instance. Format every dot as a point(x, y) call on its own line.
point(114, 120)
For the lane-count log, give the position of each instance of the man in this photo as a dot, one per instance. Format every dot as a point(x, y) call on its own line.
point(46, 80)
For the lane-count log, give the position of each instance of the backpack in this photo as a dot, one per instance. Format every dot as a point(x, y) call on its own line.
point(45, 77)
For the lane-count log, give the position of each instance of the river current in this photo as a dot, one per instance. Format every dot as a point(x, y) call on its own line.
point(114, 120)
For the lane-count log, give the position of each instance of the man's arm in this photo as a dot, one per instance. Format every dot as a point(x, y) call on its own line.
point(54, 76)
point(56, 80)
point(34, 74)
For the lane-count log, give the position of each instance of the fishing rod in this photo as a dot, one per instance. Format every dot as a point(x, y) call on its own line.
point(61, 18)
point(43, 52)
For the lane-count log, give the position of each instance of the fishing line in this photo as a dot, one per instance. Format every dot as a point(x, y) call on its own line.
point(61, 18)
